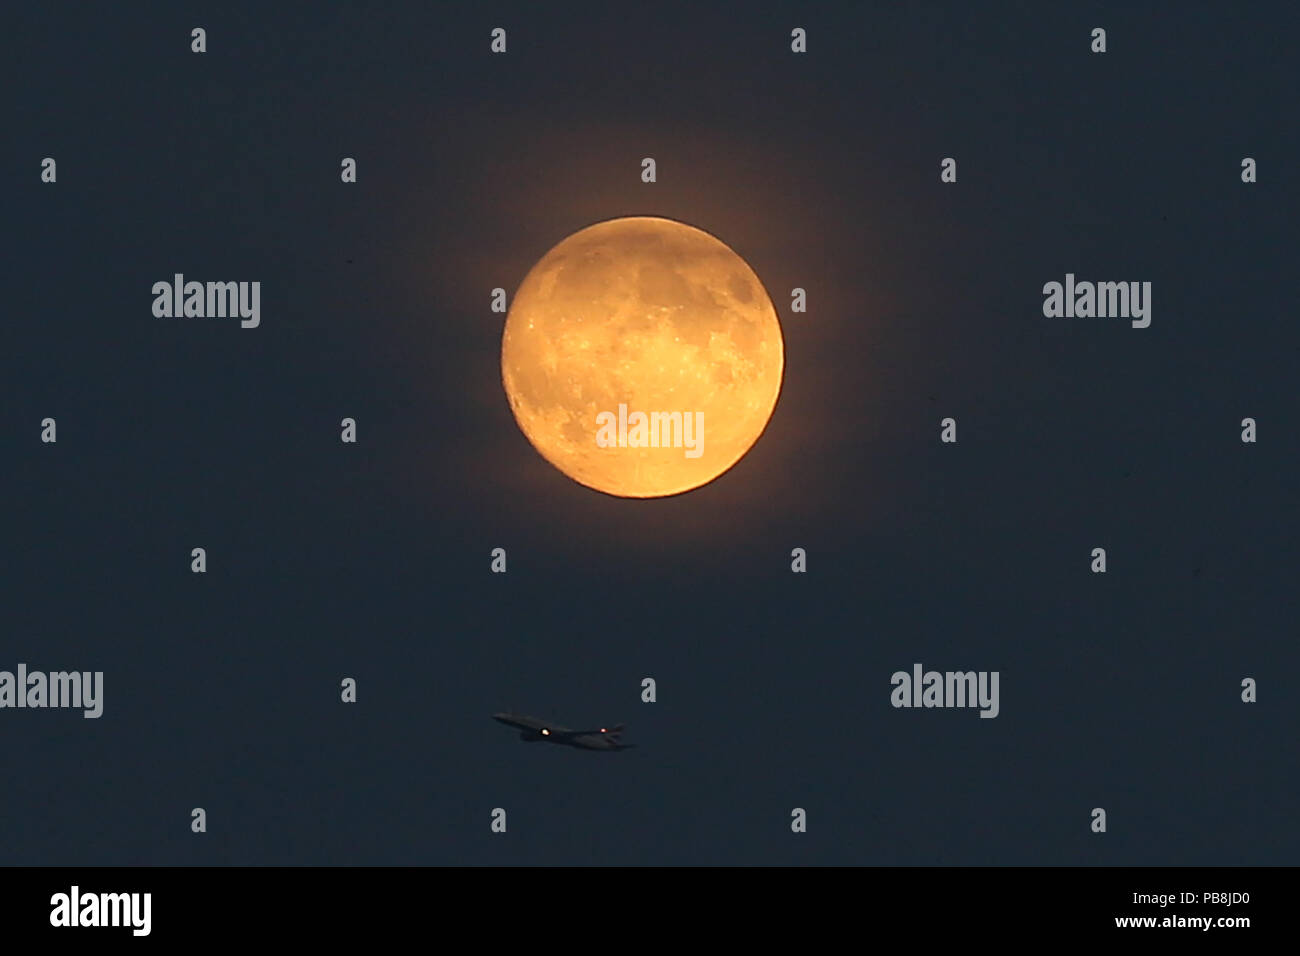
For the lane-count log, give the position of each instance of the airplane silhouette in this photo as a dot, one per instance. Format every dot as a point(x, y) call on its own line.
point(532, 729)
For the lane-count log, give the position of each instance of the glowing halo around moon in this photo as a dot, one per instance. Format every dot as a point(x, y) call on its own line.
point(647, 316)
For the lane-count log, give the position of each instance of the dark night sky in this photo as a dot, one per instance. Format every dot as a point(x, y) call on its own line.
point(326, 560)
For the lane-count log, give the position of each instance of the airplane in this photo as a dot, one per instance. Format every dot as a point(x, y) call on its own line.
point(533, 730)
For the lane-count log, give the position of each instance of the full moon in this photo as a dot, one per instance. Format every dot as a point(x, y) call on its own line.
point(642, 357)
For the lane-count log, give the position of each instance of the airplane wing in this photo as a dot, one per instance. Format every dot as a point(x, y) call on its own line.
point(612, 732)
point(525, 722)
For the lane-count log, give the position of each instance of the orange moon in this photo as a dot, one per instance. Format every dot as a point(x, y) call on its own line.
point(642, 357)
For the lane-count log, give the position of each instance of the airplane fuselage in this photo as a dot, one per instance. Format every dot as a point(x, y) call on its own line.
point(533, 730)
